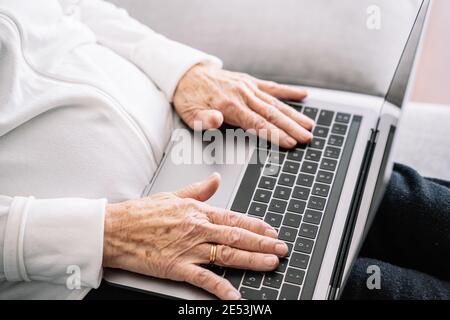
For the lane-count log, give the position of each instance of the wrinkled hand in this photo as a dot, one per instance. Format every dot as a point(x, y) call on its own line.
point(169, 235)
point(211, 96)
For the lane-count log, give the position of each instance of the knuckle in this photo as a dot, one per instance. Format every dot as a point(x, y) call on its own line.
point(261, 244)
point(202, 278)
point(271, 115)
point(217, 285)
point(271, 84)
point(226, 254)
point(234, 236)
point(252, 260)
point(190, 203)
point(232, 219)
point(259, 123)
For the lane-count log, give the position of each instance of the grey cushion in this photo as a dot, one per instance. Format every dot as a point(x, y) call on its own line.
point(423, 139)
point(296, 41)
point(323, 43)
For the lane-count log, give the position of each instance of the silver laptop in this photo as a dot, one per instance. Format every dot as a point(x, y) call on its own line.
point(320, 197)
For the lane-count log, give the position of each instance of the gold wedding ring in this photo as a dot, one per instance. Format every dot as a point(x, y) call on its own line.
point(213, 254)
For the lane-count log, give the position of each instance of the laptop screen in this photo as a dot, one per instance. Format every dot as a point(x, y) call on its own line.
point(398, 87)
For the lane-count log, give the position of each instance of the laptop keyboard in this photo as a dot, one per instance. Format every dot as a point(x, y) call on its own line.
point(291, 193)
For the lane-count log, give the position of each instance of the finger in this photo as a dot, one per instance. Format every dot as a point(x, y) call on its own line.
point(276, 117)
point(239, 259)
point(210, 119)
point(281, 91)
point(209, 281)
point(200, 191)
point(298, 117)
point(246, 240)
point(234, 219)
point(250, 120)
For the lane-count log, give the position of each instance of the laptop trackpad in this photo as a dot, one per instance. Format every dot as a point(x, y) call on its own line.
point(189, 159)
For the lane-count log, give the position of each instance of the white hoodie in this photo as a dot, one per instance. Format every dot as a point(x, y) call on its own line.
point(84, 119)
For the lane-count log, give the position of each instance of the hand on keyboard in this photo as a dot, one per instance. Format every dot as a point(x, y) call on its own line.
point(210, 96)
point(170, 235)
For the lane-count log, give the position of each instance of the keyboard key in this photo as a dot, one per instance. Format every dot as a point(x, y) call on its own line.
point(320, 132)
point(310, 112)
point(328, 164)
point(273, 219)
point(273, 280)
point(234, 276)
point(268, 294)
point(312, 216)
point(296, 206)
point(216, 269)
point(325, 177)
point(250, 294)
point(343, 117)
point(292, 220)
point(339, 129)
point(316, 203)
point(309, 167)
point(336, 141)
point(262, 294)
point(325, 118)
point(295, 155)
point(286, 180)
point(294, 276)
point(290, 246)
point(267, 183)
point(252, 279)
point(257, 209)
point(320, 189)
point(291, 167)
point(304, 245)
point(317, 143)
point(299, 260)
point(308, 231)
point(282, 193)
point(313, 155)
point(271, 170)
point(287, 234)
point(282, 265)
point(294, 104)
point(276, 158)
point(262, 195)
point(289, 292)
point(278, 206)
point(332, 152)
point(301, 193)
point(305, 180)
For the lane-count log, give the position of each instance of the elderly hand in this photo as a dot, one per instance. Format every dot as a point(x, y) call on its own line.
point(169, 235)
point(211, 96)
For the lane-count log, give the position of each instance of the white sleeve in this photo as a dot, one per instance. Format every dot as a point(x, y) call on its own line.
point(164, 61)
point(46, 240)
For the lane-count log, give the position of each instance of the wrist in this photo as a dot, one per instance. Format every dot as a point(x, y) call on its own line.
point(108, 236)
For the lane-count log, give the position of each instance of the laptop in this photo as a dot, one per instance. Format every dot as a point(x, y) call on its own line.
point(321, 197)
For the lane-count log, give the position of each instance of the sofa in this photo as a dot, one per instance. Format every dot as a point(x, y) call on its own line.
point(282, 40)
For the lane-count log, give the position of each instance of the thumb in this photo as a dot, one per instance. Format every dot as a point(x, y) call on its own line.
point(200, 191)
point(210, 119)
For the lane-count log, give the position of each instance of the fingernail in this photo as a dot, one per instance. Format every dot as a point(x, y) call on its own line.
point(271, 261)
point(271, 233)
point(233, 295)
point(281, 249)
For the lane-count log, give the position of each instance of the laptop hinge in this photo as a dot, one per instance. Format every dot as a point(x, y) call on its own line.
point(344, 246)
